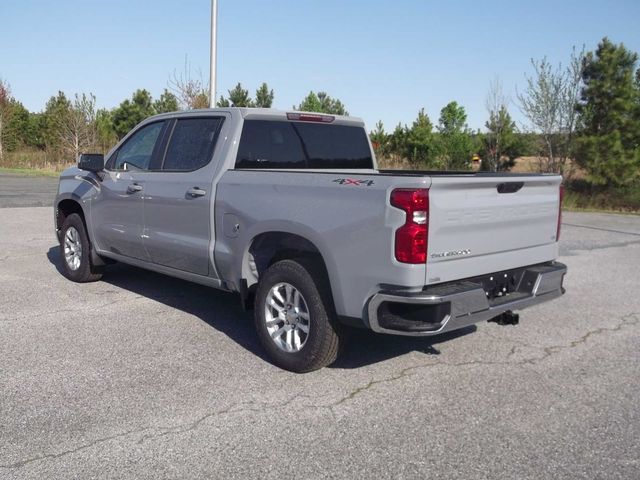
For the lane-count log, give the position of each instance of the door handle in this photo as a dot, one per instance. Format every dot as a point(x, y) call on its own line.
point(133, 188)
point(196, 192)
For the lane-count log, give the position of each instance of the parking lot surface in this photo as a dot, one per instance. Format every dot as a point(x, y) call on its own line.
point(26, 191)
point(144, 376)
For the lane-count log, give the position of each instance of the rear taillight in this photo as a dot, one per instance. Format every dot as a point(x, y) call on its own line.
point(411, 238)
point(561, 192)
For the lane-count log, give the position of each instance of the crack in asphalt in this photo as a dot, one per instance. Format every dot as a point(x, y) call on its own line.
point(185, 427)
point(626, 321)
point(82, 308)
point(158, 432)
point(161, 431)
point(47, 456)
point(405, 372)
point(237, 408)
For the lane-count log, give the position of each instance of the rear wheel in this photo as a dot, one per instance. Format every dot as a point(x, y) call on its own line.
point(295, 317)
point(76, 251)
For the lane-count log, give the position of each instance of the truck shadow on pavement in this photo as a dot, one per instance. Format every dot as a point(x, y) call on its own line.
point(222, 311)
point(365, 347)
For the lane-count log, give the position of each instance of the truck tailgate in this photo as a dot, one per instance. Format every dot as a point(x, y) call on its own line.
point(484, 224)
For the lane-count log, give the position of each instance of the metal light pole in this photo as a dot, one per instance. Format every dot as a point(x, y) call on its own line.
point(214, 53)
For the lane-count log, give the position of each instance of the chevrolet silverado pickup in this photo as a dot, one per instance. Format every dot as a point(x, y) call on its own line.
point(289, 210)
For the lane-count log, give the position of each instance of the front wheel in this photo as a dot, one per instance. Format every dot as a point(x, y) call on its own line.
point(294, 316)
point(75, 251)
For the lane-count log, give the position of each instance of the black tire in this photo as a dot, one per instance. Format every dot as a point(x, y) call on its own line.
point(325, 334)
point(85, 270)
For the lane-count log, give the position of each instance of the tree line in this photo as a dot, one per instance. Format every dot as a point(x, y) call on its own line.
point(69, 126)
point(451, 144)
point(586, 113)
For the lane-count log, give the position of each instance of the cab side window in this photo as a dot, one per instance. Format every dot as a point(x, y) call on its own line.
point(191, 144)
point(137, 152)
point(270, 144)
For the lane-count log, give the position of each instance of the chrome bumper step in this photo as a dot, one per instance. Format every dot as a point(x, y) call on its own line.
point(455, 305)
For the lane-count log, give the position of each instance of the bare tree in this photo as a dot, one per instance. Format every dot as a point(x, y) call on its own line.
point(5, 110)
point(77, 126)
point(500, 146)
point(192, 92)
point(496, 98)
point(549, 103)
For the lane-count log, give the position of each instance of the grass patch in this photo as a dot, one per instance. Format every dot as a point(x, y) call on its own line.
point(34, 172)
point(31, 162)
point(579, 195)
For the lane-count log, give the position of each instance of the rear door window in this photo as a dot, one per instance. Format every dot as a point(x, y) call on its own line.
point(191, 144)
point(296, 145)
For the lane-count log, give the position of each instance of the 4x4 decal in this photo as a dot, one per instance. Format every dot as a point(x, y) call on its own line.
point(351, 181)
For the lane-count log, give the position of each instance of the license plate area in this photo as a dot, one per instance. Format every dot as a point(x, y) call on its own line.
point(499, 285)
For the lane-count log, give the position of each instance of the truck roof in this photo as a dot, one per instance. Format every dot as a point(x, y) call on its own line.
point(257, 113)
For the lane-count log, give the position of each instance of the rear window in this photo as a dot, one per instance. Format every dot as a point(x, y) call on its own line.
point(294, 145)
point(192, 143)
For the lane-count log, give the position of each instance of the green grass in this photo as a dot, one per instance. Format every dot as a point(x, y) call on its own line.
point(35, 172)
point(577, 197)
point(31, 162)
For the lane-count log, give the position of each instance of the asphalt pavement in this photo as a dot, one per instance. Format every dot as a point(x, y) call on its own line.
point(144, 376)
point(26, 191)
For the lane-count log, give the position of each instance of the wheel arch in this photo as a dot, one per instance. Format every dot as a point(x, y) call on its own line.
point(69, 205)
point(267, 248)
point(65, 207)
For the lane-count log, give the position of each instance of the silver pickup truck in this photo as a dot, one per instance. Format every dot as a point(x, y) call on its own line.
point(289, 210)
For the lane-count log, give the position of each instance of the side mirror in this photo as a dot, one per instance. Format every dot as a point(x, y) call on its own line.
point(93, 162)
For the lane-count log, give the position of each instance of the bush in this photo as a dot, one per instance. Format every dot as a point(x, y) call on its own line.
point(581, 195)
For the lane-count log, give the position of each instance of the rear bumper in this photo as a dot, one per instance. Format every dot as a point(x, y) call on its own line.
point(455, 305)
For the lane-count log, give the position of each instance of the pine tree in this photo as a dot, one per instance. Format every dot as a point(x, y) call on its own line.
point(456, 144)
point(5, 113)
point(609, 146)
point(420, 145)
point(239, 97)
point(264, 97)
point(57, 107)
point(321, 102)
point(131, 112)
point(397, 142)
point(380, 140)
point(501, 143)
point(167, 102)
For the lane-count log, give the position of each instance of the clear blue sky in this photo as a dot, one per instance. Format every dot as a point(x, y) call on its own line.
point(384, 59)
